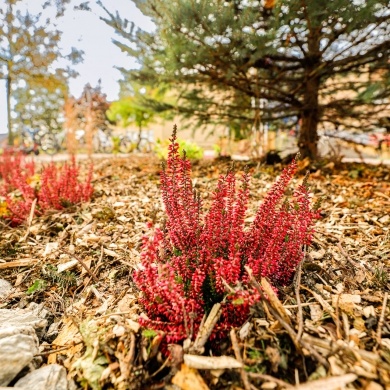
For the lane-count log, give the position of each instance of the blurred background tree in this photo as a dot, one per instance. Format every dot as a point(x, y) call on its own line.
point(29, 51)
point(139, 105)
point(41, 106)
point(251, 61)
point(88, 112)
point(92, 102)
point(126, 111)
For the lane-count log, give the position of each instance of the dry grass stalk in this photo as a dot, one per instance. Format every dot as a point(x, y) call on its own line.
point(90, 273)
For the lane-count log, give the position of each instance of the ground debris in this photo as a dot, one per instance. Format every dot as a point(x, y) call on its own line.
point(335, 333)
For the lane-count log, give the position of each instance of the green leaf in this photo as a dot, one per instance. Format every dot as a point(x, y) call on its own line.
point(38, 285)
point(149, 333)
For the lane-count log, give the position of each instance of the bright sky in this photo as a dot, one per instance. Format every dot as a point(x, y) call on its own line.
point(85, 31)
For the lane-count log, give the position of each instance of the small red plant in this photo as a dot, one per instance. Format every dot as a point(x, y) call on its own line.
point(56, 189)
point(197, 259)
point(14, 167)
point(62, 187)
point(18, 193)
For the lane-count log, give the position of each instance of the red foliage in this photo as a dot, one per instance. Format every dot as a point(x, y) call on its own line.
point(59, 187)
point(17, 173)
point(13, 166)
point(197, 259)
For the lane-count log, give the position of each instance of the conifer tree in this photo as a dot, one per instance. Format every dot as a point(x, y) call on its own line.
point(317, 61)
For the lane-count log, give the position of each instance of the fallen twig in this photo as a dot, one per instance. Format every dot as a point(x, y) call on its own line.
point(306, 304)
point(90, 273)
point(352, 262)
point(381, 321)
point(286, 326)
point(331, 383)
point(298, 298)
point(18, 263)
point(330, 346)
point(29, 220)
point(49, 352)
point(205, 329)
point(270, 378)
point(237, 353)
point(274, 301)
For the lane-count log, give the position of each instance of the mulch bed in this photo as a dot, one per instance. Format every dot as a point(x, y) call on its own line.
point(330, 328)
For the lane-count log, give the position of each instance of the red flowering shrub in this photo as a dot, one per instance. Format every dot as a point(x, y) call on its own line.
point(14, 167)
point(61, 187)
point(197, 259)
point(55, 188)
point(16, 189)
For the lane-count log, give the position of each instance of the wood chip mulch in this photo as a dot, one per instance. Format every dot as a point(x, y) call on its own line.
point(330, 329)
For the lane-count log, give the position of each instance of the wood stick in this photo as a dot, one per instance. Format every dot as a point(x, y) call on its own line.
point(19, 263)
point(49, 352)
point(29, 220)
point(298, 298)
point(270, 378)
point(237, 353)
point(206, 329)
point(381, 320)
point(90, 273)
point(304, 304)
point(286, 326)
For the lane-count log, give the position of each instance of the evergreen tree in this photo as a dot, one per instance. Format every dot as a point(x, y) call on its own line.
point(127, 111)
point(323, 60)
point(29, 49)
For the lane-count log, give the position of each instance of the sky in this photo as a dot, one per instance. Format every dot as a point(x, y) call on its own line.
point(84, 30)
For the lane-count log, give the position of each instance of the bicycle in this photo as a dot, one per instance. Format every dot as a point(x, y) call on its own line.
point(29, 140)
point(102, 142)
point(141, 142)
point(54, 143)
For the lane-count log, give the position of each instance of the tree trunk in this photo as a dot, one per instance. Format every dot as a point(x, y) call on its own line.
point(310, 116)
point(9, 119)
point(139, 138)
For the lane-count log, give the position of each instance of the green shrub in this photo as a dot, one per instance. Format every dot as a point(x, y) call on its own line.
point(193, 151)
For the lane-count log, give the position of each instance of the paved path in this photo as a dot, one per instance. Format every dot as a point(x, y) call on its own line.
point(208, 154)
point(82, 156)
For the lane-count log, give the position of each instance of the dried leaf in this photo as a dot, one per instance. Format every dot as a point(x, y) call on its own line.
point(189, 379)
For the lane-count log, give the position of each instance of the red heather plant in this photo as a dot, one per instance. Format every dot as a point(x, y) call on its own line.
point(14, 167)
point(61, 187)
point(58, 187)
point(197, 259)
point(17, 174)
